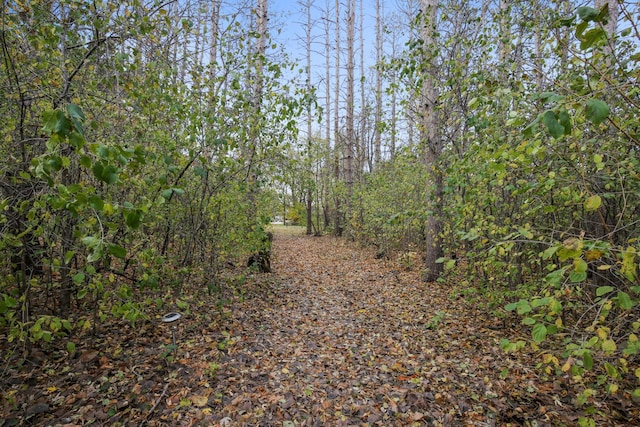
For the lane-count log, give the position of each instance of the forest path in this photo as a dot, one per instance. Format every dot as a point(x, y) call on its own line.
point(342, 339)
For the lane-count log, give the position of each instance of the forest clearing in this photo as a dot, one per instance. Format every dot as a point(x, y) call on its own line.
point(333, 337)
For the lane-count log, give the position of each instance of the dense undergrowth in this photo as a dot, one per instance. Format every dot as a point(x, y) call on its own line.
point(127, 178)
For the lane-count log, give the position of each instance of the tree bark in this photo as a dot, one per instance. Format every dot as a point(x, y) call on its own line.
point(309, 197)
point(432, 145)
point(350, 130)
point(378, 120)
point(336, 126)
point(327, 94)
point(213, 44)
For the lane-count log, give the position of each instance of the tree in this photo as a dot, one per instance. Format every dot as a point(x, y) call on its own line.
point(378, 113)
point(430, 140)
point(309, 195)
point(350, 129)
point(337, 145)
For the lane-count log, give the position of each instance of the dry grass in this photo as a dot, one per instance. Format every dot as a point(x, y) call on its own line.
point(289, 230)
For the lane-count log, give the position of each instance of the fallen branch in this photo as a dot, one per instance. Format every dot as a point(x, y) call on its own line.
point(155, 405)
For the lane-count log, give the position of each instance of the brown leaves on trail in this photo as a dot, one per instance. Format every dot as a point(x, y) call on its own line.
point(332, 338)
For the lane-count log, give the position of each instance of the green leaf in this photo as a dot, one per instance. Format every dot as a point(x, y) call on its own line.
point(528, 321)
point(578, 276)
point(49, 119)
point(91, 241)
point(593, 203)
point(68, 256)
point(567, 22)
point(587, 13)
point(611, 370)
point(110, 174)
point(78, 278)
point(565, 121)
point(579, 265)
point(539, 302)
point(95, 255)
point(75, 112)
point(71, 347)
point(78, 126)
point(555, 277)
point(117, 251)
point(596, 111)
point(85, 161)
point(551, 121)
point(602, 290)
point(76, 140)
point(511, 306)
point(587, 359)
point(549, 252)
point(624, 301)
point(133, 219)
point(102, 151)
point(96, 202)
point(539, 332)
point(550, 97)
point(591, 37)
point(523, 307)
point(97, 170)
point(528, 131)
point(63, 125)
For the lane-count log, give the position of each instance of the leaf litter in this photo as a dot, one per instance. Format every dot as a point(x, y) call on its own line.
point(334, 337)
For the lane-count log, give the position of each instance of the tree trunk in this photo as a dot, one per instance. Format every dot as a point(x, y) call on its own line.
point(309, 198)
point(213, 44)
point(327, 94)
point(430, 139)
point(378, 121)
point(336, 127)
point(350, 131)
point(611, 26)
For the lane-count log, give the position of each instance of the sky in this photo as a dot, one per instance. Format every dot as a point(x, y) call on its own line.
point(289, 19)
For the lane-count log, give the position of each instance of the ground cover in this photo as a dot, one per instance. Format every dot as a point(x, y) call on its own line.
point(333, 337)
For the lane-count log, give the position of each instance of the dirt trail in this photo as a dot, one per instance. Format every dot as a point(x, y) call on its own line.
point(342, 339)
point(332, 338)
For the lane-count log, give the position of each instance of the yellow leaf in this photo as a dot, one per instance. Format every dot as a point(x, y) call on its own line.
point(609, 346)
point(199, 400)
point(398, 367)
point(567, 365)
point(592, 255)
point(108, 209)
point(602, 333)
point(51, 389)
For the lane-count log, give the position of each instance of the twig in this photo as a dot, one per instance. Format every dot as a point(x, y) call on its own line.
point(155, 405)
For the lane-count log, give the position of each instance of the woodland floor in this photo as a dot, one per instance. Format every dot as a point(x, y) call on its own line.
point(332, 338)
